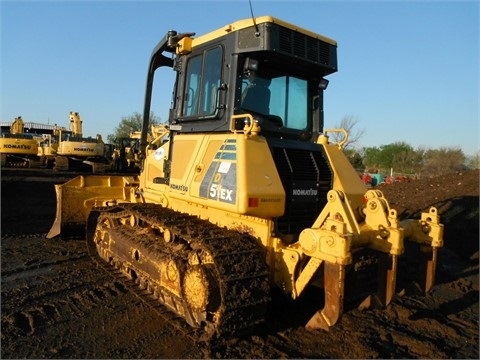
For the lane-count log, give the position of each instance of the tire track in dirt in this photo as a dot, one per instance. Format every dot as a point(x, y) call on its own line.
point(69, 296)
point(54, 286)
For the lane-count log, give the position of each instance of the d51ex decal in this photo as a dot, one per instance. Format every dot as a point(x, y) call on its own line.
point(220, 182)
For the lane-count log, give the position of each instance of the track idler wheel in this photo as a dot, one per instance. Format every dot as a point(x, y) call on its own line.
point(101, 236)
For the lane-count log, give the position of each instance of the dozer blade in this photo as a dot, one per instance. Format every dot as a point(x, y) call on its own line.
point(76, 197)
point(334, 278)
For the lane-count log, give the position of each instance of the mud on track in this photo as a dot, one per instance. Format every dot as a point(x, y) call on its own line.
point(55, 303)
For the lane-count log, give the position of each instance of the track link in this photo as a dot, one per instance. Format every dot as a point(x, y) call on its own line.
point(214, 278)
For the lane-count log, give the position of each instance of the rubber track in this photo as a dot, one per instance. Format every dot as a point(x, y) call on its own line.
point(239, 262)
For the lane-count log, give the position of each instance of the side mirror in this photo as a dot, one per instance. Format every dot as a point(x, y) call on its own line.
point(250, 65)
point(323, 84)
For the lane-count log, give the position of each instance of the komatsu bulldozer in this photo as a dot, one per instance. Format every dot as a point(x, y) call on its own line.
point(245, 193)
point(125, 152)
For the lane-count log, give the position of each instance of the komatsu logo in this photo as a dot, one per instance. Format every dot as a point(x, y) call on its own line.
point(84, 149)
point(15, 146)
point(305, 192)
point(182, 187)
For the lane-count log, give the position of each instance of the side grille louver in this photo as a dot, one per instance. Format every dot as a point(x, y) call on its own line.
point(304, 46)
point(306, 178)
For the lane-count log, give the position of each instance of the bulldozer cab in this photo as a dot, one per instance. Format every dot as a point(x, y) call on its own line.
point(277, 77)
point(253, 77)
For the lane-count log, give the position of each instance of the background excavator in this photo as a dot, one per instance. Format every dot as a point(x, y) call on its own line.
point(18, 148)
point(245, 193)
point(69, 150)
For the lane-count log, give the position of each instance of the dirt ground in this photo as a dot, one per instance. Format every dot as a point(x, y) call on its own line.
point(56, 304)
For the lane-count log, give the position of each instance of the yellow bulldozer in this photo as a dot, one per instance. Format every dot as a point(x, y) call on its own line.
point(245, 193)
point(125, 154)
point(18, 148)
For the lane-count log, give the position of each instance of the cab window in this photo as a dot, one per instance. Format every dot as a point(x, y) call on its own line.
point(203, 78)
point(281, 95)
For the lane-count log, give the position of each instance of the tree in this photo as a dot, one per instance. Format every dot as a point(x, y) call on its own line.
point(372, 157)
point(355, 158)
point(399, 156)
point(443, 161)
point(407, 161)
point(348, 122)
point(473, 161)
point(131, 123)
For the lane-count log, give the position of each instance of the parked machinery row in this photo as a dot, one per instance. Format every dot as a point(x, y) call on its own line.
point(59, 148)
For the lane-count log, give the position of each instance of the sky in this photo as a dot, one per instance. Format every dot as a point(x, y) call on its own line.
point(408, 71)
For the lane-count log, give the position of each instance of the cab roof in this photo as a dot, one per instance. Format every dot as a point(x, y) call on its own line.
point(245, 23)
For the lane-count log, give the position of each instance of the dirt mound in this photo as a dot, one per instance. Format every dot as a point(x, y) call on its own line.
point(57, 304)
point(456, 198)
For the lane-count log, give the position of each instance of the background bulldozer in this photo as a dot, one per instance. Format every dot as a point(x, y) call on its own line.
point(244, 192)
point(125, 151)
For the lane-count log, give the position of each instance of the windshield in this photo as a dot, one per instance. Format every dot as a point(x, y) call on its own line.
point(283, 96)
